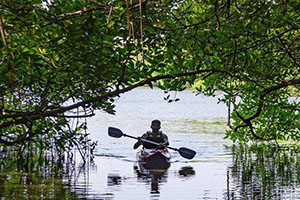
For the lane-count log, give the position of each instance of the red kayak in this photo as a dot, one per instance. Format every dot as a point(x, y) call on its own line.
point(154, 158)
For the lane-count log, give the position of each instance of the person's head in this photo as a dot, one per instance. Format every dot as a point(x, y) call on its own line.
point(155, 125)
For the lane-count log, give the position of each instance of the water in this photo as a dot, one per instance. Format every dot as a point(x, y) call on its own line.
point(195, 122)
point(220, 169)
point(189, 121)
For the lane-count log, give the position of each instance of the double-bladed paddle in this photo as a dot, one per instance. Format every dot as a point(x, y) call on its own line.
point(184, 152)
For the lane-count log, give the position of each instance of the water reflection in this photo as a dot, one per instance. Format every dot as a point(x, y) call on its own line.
point(152, 176)
point(245, 172)
point(260, 172)
point(113, 179)
point(42, 176)
point(187, 171)
point(156, 177)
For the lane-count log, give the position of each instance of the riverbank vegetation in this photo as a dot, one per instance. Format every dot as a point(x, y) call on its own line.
point(61, 60)
point(260, 172)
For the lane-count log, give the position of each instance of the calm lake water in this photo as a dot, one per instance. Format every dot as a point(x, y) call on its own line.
point(194, 122)
point(220, 169)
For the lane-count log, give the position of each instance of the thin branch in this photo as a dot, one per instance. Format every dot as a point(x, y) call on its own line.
point(259, 43)
point(18, 140)
point(217, 16)
point(288, 52)
point(256, 136)
point(266, 91)
point(82, 11)
point(141, 27)
point(23, 118)
point(108, 18)
point(193, 25)
point(75, 116)
point(12, 76)
point(128, 19)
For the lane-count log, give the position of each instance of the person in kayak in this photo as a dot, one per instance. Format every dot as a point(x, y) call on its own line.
point(155, 136)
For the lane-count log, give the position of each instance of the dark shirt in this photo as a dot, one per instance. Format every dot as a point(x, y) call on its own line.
point(160, 137)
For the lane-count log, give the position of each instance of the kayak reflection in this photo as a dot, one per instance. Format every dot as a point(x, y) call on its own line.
point(153, 176)
point(158, 176)
point(152, 164)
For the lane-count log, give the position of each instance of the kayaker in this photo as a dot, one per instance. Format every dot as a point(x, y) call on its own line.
point(155, 136)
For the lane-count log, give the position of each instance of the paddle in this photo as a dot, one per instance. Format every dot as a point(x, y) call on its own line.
point(184, 152)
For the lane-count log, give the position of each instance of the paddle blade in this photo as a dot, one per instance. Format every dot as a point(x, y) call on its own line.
point(186, 153)
point(114, 132)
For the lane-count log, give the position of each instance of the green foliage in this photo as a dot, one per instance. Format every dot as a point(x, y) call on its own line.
point(62, 60)
point(247, 50)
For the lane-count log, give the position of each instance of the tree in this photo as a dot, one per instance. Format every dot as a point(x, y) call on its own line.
point(62, 60)
point(252, 50)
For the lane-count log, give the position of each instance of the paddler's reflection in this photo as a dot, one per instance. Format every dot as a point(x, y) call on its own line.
point(155, 176)
point(154, 185)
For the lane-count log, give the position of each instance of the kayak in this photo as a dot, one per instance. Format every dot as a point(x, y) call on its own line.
point(154, 158)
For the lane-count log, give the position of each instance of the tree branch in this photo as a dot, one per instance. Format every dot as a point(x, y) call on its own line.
point(25, 117)
point(266, 91)
point(258, 43)
point(82, 11)
point(74, 116)
point(12, 76)
point(288, 52)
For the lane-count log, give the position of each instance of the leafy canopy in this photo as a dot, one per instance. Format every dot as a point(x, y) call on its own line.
point(62, 60)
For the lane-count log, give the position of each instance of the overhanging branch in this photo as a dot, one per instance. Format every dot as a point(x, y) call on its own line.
point(266, 91)
point(16, 119)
